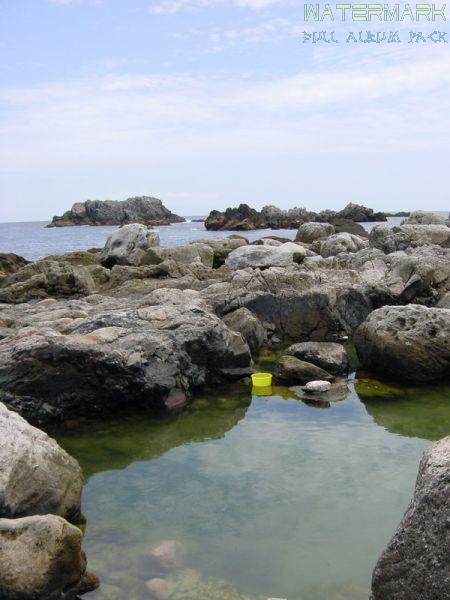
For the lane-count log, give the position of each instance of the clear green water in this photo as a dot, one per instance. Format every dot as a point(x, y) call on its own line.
point(270, 497)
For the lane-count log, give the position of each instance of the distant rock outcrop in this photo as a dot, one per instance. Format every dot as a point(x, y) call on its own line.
point(141, 209)
point(244, 218)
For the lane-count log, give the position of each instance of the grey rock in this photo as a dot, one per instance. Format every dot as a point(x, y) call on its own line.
point(415, 565)
point(140, 209)
point(290, 371)
point(310, 232)
point(10, 263)
point(406, 236)
point(421, 217)
point(251, 328)
point(341, 242)
point(406, 342)
point(129, 245)
point(265, 256)
point(40, 558)
point(36, 475)
point(317, 387)
point(329, 356)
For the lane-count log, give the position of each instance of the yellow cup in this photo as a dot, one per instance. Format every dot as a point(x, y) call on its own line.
point(262, 379)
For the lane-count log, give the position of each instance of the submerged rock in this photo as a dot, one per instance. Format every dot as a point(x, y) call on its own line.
point(167, 555)
point(129, 245)
point(415, 564)
point(36, 475)
point(406, 342)
point(41, 559)
point(141, 209)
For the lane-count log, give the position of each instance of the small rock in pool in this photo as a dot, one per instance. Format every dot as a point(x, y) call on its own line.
point(317, 387)
point(168, 555)
point(161, 589)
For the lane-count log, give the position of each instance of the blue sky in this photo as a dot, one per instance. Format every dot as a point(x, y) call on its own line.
point(209, 103)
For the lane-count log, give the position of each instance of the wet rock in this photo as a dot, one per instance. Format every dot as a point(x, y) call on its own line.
point(89, 582)
point(406, 342)
point(36, 475)
point(329, 356)
point(341, 242)
point(251, 328)
point(140, 209)
point(317, 387)
point(129, 245)
point(311, 232)
point(40, 558)
point(290, 371)
point(265, 256)
point(161, 589)
point(415, 564)
point(167, 555)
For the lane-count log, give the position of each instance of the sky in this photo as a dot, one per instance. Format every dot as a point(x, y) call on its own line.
point(210, 103)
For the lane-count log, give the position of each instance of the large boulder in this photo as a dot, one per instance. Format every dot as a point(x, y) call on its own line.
point(291, 371)
point(406, 342)
point(10, 263)
point(358, 212)
point(341, 242)
point(415, 564)
point(329, 356)
point(36, 475)
point(221, 247)
point(140, 209)
point(400, 238)
point(310, 232)
point(265, 256)
point(251, 328)
point(422, 217)
point(129, 245)
point(41, 559)
point(342, 225)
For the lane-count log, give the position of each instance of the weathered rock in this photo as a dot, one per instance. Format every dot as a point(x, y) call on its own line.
point(265, 256)
point(129, 245)
point(141, 209)
point(40, 558)
point(170, 339)
point(329, 356)
point(310, 232)
point(342, 225)
point(251, 328)
point(36, 475)
point(45, 278)
point(360, 213)
point(400, 238)
point(406, 342)
point(421, 217)
point(415, 564)
point(317, 387)
point(222, 247)
point(341, 242)
point(290, 371)
point(10, 263)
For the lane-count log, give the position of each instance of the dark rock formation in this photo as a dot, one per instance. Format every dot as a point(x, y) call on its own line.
point(406, 342)
point(142, 209)
point(291, 371)
point(346, 226)
point(415, 565)
point(329, 356)
point(245, 218)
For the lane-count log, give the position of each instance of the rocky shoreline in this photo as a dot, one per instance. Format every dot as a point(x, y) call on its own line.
point(135, 324)
point(141, 209)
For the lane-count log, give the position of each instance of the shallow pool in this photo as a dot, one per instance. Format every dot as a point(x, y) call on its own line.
point(270, 497)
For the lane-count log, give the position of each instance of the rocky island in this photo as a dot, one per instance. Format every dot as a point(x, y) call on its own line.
point(138, 325)
point(141, 209)
point(244, 218)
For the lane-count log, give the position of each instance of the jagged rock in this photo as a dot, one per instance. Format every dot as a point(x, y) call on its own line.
point(406, 342)
point(251, 328)
point(341, 242)
point(141, 209)
point(40, 558)
point(45, 278)
point(222, 247)
point(265, 256)
point(329, 356)
point(36, 475)
point(169, 339)
point(310, 232)
point(421, 217)
point(415, 564)
point(359, 213)
point(400, 238)
point(129, 245)
point(291, 371)
point(10, 263)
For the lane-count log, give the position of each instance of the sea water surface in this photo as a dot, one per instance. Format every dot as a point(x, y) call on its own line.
point(271, 497)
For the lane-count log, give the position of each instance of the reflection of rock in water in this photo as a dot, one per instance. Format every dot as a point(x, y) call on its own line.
point(338, 391)
point(109, 445)
point(414, 411)
point(348, 591)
